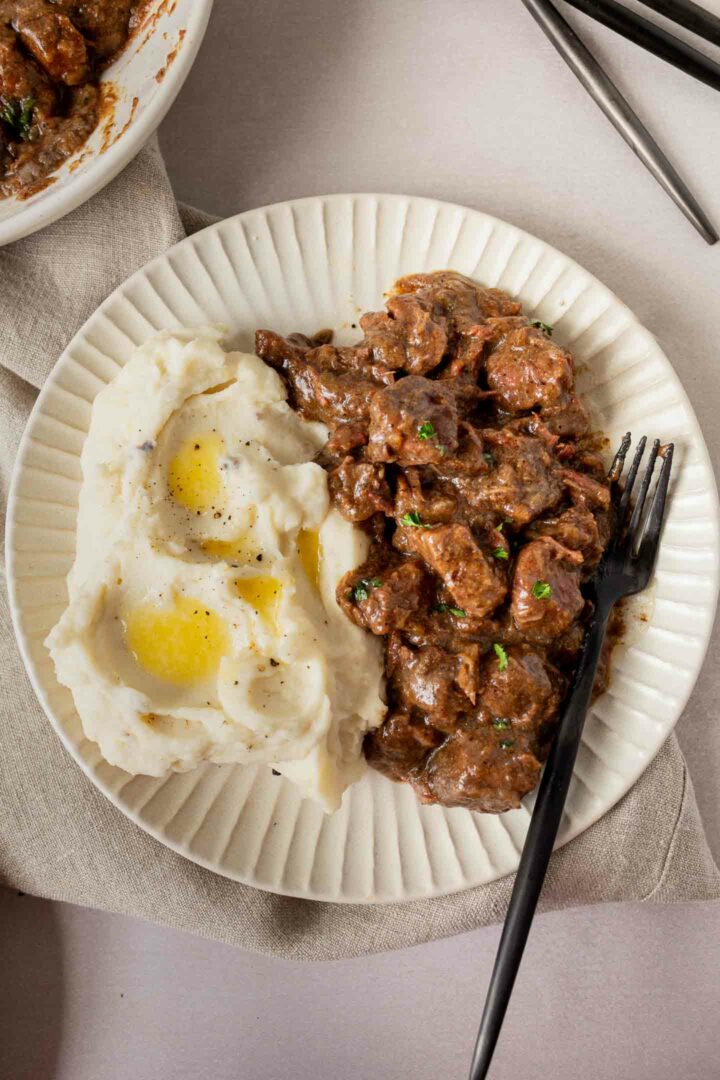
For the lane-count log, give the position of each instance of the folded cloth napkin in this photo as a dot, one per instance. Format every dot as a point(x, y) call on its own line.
point(60, 838)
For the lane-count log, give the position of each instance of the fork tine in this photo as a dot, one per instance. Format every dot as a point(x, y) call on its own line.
point(619, 460)
point(644, 488)
point(651, 536)
point(629, 483)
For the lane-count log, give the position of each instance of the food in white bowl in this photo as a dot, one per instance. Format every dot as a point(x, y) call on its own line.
point(202, 623)
point(82, 87)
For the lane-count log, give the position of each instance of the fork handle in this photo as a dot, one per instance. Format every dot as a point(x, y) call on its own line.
point(538, 847)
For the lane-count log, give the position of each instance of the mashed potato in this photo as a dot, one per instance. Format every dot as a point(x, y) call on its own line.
point(202, 623)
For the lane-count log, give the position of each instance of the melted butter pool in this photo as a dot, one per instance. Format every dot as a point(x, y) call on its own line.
point(194, 478)
point(308, 546)
point(182, 644)
point(263, 593)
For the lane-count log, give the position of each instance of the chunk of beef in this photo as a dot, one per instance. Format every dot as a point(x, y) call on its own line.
point(566, 420)
point(344, 439)
point(475, 583)
point(400, 747)
point(321, 384)
point(576, 528)
point(528, 371)
point(584, 490)
point(436, 502)
point(546, 597)
point(522, 480)
point(413, 422)
point(50, 36)
point(429, 680)
point(381, 599)
point(483, 770)
point(469, 458)
point(461, 301)
point(521, 692)
point(359, 489)
point(407, 336)
point(21, 80)
point(105, 23)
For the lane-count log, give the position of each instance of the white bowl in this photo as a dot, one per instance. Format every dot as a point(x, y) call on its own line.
point(320, 262)
point(146, 79)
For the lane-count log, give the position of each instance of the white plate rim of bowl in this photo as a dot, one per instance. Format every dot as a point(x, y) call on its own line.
point(427, 851)
point(53, 203)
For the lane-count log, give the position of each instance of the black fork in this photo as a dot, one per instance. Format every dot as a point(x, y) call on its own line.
point(625, 569)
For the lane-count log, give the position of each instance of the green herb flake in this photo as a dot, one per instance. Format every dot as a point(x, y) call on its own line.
point(489, 458)
point(427, 430)
point(540, 325)
point(500, 553)
point(18, 116)
point(361, 590)
point(506, 744)
point(412, 519)
point(541, 590)
point(499, 528)
point(457, 611)
point(502, 656)
point(499, 724)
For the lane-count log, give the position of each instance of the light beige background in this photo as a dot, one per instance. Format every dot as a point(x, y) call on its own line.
point(463, 100)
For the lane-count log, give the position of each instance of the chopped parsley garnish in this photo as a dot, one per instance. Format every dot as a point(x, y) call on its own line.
point(458, 611)
point(500, 527)
point(427, 431)
point(502, 656)
point(489, 458)
point(500, 553)
point(506, 744)
point(413, 519)
point(541, 590)
point(542, 326)
point(361, 590)
point(18, 115)
point(499, 724)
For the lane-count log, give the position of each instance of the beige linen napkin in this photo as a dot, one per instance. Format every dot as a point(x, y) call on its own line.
point(60, 838)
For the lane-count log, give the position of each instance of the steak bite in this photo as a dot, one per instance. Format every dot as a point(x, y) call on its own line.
point(384, 598)
point(359, 489)
point(413, 422)
point(426, 680)
point(105, 23)
point(522, 480)
point(520, 690)
point(576, 528)
point(324, 383)
point(50, 36)
point(461, 301)
point(475, 583)
point(482, 769)
point(546, 596)
point(407, 336)
point(400, 747)
point(585, 491)
point(528, 371)
point(21, 80)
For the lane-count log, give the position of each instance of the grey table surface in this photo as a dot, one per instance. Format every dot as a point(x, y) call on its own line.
point(463, 100)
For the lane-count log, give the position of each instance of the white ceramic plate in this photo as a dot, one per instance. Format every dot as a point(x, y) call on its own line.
point(144, 82)
point(315, 263)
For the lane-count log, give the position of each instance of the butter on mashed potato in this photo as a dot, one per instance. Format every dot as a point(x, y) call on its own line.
point(202, 623)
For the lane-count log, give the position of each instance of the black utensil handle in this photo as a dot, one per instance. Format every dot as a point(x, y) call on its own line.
point(653, 38)
point(691, 16)
point(538, 849)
